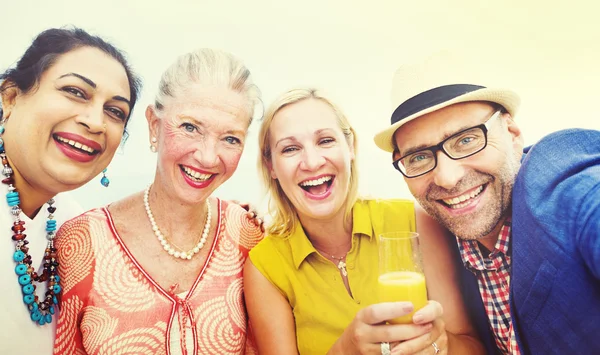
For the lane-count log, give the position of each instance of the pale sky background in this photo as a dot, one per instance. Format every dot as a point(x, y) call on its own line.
point(547, 51)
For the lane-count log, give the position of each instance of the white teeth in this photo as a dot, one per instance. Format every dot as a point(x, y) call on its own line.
point(315, 182)
point(456, 201)
point(75, 144)
point(196, 175)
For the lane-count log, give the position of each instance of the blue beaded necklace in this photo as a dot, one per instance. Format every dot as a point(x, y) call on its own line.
point(40, 310)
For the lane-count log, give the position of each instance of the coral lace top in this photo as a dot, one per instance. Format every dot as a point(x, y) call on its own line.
point(110, 305)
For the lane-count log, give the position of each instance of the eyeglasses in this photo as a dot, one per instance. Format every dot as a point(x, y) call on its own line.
point(458, 146)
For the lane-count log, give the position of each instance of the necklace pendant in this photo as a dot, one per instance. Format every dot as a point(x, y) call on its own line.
point(342, 266)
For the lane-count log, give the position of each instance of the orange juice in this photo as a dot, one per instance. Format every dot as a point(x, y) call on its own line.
point(403, 286)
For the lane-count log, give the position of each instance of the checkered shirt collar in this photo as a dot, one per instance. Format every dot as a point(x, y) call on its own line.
point(473, 258)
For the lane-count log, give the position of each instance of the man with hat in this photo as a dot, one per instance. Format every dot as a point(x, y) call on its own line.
point(526, 221)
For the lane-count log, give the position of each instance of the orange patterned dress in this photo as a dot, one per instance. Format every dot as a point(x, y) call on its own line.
point(110, 305)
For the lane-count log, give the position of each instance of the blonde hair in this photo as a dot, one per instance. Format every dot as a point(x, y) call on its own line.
point(209, 67)
point(281, 209)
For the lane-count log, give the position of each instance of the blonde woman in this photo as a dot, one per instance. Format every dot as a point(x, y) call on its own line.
point(309, 284)
point(160, 272)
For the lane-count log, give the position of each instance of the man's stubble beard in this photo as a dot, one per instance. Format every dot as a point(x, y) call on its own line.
point(490, 215)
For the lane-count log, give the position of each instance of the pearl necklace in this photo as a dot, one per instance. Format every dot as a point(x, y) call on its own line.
point(172, 249)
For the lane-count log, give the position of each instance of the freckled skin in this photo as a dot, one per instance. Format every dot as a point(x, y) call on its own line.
point(204, 129)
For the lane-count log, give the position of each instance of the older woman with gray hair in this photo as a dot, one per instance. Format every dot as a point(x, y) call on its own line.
point(160, 272)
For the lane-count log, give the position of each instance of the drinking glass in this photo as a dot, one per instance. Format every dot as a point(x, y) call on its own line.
point(401, 277)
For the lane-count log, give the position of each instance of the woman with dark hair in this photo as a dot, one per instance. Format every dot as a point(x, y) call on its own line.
point(65, 108)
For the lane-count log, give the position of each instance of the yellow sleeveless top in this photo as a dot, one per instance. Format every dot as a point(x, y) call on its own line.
point(312, 284)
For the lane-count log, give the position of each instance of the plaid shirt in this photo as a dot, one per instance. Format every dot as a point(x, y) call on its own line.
point(493, 276)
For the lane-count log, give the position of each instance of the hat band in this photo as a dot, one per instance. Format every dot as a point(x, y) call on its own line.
point(431, 98)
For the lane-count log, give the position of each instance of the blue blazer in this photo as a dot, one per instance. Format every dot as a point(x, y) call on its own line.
point(555, 244)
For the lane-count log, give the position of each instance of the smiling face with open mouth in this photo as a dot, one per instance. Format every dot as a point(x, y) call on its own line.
point(311, 158)
point(77, 147)
point(201, 134)
point(65, 132)
point(469, 196)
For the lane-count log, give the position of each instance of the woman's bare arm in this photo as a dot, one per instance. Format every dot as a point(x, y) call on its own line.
point(270, 314)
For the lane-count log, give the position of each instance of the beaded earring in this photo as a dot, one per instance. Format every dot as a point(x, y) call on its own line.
point(104, 181)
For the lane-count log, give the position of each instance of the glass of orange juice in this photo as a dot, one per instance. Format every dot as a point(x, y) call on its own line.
point(401, 277)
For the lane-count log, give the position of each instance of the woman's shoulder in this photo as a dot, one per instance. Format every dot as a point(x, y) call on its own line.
point(238, 222)
point(84, 219)
point(125, 205)
point(80, 228)
point(386, 214)
point(272, 243)
point(274, 258)
point(271, 249)
point(387, 206)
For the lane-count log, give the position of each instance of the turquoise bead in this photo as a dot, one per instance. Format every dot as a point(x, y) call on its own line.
point(51, 309)
point(1, 142)
point(1, 129)
point(21, 269)
point(24, 279)
point(42, 320)
point(48, 318)
point(12, 198)
point(56, 288)
point(28, 289)
point(56, 278)
point(35, 316)
point(104, 181)
point(34, 307)
point(54, 300)
point(18, 256)
point(28, 299)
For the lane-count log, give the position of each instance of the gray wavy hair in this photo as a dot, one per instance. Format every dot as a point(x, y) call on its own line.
point(208, 67)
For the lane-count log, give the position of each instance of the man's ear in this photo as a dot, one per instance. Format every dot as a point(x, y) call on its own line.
point(515, 133)
point(395, 155)
point(9, 92)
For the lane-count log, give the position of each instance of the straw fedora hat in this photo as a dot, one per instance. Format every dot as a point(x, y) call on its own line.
point(441, 80)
